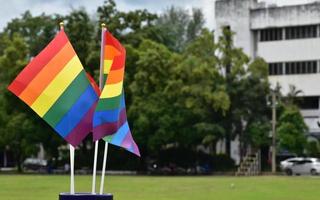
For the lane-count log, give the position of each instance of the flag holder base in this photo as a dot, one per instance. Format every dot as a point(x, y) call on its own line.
point(85, 196)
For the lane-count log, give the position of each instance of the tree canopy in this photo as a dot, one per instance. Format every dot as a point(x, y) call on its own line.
point(183, 88)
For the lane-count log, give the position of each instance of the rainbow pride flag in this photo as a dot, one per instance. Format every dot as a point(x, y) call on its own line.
point(55, 85)
point(110, 119)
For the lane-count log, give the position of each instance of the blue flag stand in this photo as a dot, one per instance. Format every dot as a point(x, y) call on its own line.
point(85, 196)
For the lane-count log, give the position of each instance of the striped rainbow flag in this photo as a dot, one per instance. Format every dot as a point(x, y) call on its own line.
point(55, 85)
point(110, 119)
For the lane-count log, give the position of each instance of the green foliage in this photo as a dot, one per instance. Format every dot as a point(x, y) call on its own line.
point(177, 28)
point(22, 129)
point(313, 149)
point(80, 29)
point(247, 86)
point(183, 89)
point(197, 92)
point(148, 107)
point(258, 133)
point(37, 31)
point(16, 126)
point(291, 130)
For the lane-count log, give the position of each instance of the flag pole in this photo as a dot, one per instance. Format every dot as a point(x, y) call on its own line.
point(104, 167)
point(61, 24)
point(71, 169)
point(104, 29)
point(96, 144)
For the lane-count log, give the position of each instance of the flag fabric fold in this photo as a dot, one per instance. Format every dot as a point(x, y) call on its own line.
point(55, 85)
point(110, 119)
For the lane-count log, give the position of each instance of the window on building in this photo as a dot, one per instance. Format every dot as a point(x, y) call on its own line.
point(311, 102)
point(304, 67)
point(275, 69)
point(298, 32)
point(270, 34)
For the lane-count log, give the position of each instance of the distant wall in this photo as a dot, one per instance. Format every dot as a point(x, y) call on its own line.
point(285, 16)
point(236, 14)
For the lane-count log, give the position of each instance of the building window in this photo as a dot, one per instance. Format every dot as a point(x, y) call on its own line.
point(304, 67)
point(311, 102)
point(275, 69)
point(298, 32)
point(270, 34)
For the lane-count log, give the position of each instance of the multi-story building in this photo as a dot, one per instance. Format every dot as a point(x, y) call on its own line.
point(288, 38)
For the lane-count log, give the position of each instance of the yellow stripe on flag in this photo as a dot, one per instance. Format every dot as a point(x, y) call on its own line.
point(107, 66)
point(58, 85)
point(111, 90)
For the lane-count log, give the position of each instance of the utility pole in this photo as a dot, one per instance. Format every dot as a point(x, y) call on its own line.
point(274, 121)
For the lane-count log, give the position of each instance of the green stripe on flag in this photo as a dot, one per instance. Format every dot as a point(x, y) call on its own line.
point(67, 99)
point(109, 103)
point(108, 138)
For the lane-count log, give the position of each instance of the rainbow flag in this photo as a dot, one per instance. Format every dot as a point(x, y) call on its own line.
point(55, 85)
point(110, 119)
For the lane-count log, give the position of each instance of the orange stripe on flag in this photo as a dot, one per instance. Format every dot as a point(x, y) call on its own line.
point(115, 76)
point(110, 52)
point(47, 74)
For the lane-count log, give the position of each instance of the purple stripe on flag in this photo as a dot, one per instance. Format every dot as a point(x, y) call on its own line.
point(127, 141)
point(129, 144)
point(83, 128)
point(136, 149)
point(109, 128)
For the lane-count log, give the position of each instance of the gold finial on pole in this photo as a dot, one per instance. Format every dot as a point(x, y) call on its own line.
point(103, 25)
point(61, 24)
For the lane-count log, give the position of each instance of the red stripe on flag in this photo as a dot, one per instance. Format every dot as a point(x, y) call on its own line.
point(118, 62)
point(34, 67)
point(110, 40)
point(94, 84)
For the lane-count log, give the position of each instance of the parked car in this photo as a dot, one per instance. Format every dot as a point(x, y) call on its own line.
point(301, 166)
point(287, 164)
point(35, 164)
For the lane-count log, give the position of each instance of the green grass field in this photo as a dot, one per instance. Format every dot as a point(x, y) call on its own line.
point(32, 187)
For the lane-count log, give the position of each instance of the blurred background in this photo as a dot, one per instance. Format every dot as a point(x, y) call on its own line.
point(211, 86)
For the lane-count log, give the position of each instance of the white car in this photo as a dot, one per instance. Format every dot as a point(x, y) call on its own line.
point(34, 164)
point(300, 166)
point(285, 164)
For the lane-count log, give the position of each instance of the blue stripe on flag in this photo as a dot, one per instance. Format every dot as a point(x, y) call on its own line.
point(108, 116)
point(77, 112)
point(120, 134)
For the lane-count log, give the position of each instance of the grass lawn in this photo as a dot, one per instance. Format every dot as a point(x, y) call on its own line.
point(33, 187)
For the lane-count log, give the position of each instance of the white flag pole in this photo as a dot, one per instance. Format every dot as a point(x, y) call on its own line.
point(71, 169)
point(104, 167)
point(70, 147)
point(105, 154)
point(103, 30)
point(96, 144)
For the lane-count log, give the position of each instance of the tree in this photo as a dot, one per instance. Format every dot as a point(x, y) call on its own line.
point(23, 130)
point(313, 148)
point(149, 100)
point(17, 129)
point(198, 94)
point(292, 96)
point(36, 31)
point(177, 28)
point(195, 25)
point(291, 130)
point(247, 86)
point(81, 32)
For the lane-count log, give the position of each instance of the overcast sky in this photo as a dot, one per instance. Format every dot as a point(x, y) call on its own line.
point(10, 9)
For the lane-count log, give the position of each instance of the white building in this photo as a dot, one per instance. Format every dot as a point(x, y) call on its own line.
point(288, 38)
